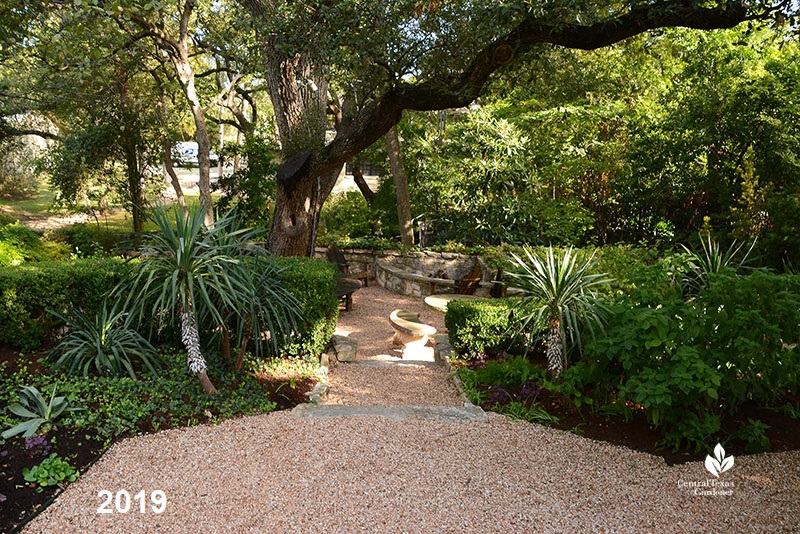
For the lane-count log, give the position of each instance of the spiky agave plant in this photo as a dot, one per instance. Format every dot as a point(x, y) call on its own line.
point(195, 273)
point(559, 290)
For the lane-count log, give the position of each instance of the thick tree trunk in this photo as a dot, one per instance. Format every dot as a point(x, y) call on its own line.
point(401, 185)
point(297, 206)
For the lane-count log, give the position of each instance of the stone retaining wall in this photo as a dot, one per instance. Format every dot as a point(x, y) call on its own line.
point(417, 273)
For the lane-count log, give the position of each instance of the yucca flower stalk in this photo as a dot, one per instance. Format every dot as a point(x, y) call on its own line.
point(559, 292)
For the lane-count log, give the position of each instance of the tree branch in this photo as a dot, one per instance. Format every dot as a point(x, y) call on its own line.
point(378, 116)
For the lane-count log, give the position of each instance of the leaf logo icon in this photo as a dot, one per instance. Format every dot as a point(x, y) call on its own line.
point(718, 463)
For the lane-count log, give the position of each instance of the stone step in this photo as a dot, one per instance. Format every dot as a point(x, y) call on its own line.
point(395, 363)
point(450, 414)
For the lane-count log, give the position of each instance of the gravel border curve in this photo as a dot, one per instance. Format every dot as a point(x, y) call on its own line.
point(278, 473)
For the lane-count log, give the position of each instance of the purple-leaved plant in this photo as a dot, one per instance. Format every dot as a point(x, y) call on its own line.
point(37, 446)
point(478, 361)
point(529, 391)
point(499, 396)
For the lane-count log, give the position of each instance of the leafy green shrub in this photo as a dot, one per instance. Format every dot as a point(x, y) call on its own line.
point(621, 262)
point(81, 239)
point(19, 244)
point(746, 322)
point(347, 215)
point(508, 372)
point(754, 436)
point(313, 284)
point(29, 290)
point(53, 470)
point(251, 190)
point(688, 364)
point(105, 345)
point(36, 411)
point(481, 326)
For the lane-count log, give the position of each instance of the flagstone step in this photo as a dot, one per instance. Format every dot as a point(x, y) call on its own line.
point(450, 414)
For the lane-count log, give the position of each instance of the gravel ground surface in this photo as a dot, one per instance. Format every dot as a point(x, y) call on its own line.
point(279, 473)
point(384, 375)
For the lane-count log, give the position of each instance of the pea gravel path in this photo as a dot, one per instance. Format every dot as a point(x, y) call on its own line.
point(281, 473)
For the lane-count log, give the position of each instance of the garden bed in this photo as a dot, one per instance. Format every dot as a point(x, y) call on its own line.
point(19, 499)
point(635, 432)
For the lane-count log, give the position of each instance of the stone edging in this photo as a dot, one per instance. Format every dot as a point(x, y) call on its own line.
point(441, 353)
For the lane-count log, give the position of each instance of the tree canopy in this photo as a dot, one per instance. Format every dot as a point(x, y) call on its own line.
point(349, 66)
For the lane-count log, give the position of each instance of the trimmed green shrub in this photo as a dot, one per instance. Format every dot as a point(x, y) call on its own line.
point(27, 291)
point(481, 326)
point(313, 284)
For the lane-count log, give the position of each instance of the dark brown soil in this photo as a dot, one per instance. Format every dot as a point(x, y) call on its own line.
point(638, 434)
point(20, 500)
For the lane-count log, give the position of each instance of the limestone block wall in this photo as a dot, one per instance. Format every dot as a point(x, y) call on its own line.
point(417, 273)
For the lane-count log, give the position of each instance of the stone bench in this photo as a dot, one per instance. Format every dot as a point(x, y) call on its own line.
point(409, 330)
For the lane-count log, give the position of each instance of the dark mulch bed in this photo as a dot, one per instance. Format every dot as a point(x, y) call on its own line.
point(640, 435)
point(19, 500)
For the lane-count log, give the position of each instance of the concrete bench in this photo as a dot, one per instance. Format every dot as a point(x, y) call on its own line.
point(409, 330)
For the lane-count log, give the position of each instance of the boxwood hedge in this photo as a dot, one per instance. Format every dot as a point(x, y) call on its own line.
point(27, 291)
point(485, 326)
point(313, 283)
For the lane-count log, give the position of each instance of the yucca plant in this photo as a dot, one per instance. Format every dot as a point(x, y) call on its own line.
point(38, 412)
point(205, 277)
point(711, 259)
point(559, 292)
point(105, 345)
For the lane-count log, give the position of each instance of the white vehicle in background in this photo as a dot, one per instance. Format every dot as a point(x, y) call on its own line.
point(184, 154)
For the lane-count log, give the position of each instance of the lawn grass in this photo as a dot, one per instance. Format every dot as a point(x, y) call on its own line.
point(36, 206)
point(117, 221)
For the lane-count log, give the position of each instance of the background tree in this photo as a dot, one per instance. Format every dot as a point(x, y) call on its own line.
point(304, 44)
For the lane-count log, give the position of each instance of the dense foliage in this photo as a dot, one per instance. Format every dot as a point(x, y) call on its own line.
point(482, 326)
point(121, 406)
point(313, 284)
point(688, 359)
point(19, 245)
point(28, 291)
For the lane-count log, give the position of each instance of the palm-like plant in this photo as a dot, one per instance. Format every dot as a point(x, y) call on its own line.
point(105, 344)
point(205, 276)
point(711, 259)
point(558, 290)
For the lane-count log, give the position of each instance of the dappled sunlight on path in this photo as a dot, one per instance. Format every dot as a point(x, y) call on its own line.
point(383, 374)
